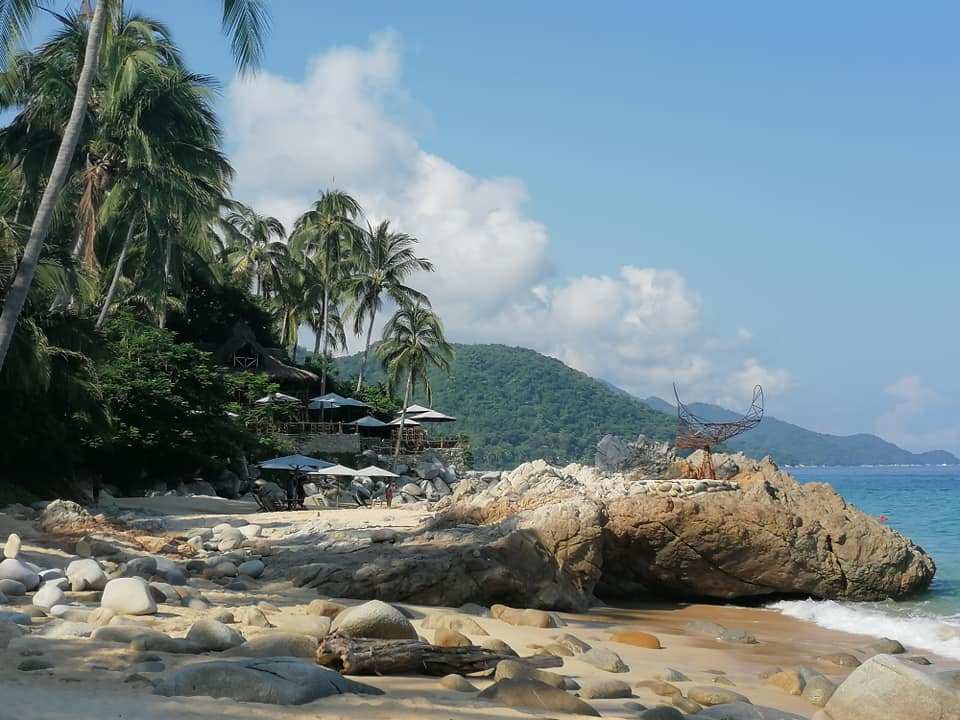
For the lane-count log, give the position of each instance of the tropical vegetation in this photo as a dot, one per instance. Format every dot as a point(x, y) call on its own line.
point(124, 259)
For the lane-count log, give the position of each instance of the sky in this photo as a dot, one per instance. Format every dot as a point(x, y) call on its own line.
point(712, 194)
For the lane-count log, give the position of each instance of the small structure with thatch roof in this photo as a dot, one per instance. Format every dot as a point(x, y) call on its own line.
point(241, 351)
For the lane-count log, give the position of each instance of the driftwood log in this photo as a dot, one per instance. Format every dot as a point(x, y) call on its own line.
point(358, 656)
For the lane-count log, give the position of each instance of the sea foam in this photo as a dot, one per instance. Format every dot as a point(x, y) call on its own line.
point(935, 634)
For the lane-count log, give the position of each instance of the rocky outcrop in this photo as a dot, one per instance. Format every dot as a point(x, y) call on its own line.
point(757, 533)
point(652, 459)
point(772, 536)
point(884, 687)
point(547, 559)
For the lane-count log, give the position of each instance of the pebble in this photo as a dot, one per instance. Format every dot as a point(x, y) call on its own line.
point(12, 548)
point(12, 587)
point(251, 568)
point(603, 689)
point(887, 646)
point(918, 660)
point(790, 681)
point(714, 695)
point(457, 683)
point(637, 639)
point(498, 646)
point(685, 704)
point(661, 713)
point(213, 635)
point(130, 596)
point(671, 675)
point(818, 690)
point(604, 659)
point(659, 687)
point(573, 643)
point(841, 659)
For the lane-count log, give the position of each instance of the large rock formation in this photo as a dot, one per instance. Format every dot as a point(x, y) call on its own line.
point(554, 538)
point(772, 536)
point(758, 533)
point(547, 559)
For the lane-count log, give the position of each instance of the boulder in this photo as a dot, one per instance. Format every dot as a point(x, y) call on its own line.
point(457, 683)
point(886, 646)
point(276, 681)
point(129, 596)
point(212, 635)
point(637, 639)
point(602, 689)
point(685, 704)
point(888, 688)
point(315, 626)
point(48, 596)
point(65, 517)
point(276, 644)
point(12, 587)
point(516, 670)
point(86, 574)
point(251, 568)
point(533, 694)
point(326, 608)
point(538, 559)
point(442, 637)
point(604, 659)
point(452, 621)
point(774, 535)
point(706, 695)
point(374, 619)
point(818, 690)
point(14, 569)
point(526, 617)
point(790, 681)
point(616, 455)
point(12, 547)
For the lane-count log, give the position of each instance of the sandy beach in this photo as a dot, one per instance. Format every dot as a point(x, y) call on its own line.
point(91, 679)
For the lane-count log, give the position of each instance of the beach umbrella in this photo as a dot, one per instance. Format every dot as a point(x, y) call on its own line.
point(277, 397)
point(333, 400)
point(374, 471)
point(432, 416)
point(367, 421)
point(334, 470)
point(417, 409)
point(406, 423)
point(294, 462)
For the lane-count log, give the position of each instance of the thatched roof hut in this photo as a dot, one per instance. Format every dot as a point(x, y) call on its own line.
point(241, 351)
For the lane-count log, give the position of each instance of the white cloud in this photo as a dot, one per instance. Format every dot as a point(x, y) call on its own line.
point(918, 419)
point(639, 328)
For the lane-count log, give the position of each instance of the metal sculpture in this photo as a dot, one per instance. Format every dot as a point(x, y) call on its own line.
point(695, 432)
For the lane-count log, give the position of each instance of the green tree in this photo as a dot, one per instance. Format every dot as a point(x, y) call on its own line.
point(244, 21)
point(252, 252)
point(413, 342)
point(326, 233)
point(383, 259)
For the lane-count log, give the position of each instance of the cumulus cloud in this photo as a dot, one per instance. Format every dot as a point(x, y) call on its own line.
point(336, 127)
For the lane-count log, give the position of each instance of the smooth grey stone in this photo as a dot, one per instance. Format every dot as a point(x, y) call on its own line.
point(12, 587)
point(251, 568)
point(277, 681)
point(213, 635)
point(887, 646)
point(14, 569)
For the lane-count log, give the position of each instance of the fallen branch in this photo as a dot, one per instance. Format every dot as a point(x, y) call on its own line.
point(357, 656)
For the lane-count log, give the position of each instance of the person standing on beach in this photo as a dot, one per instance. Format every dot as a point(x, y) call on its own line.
point(389, 494)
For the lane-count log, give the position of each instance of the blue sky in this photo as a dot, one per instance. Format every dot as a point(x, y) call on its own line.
point(781, 183)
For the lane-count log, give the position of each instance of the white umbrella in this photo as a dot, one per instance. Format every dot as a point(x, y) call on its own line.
point(406, 422)
point(432, 416)
point(374, 471)
point(277, 397)
point(417, 409)
point(334, 470)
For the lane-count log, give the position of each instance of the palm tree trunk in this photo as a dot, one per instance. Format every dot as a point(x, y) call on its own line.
point(323, 330)
point(167, 262)
point(366, 350)
point(117, 272)
point(403, 417)
point(283, 328)
point(296, 344)
point(17, 295)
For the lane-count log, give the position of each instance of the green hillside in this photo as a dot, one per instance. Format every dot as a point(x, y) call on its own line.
point(517, 405)
point(793, 445)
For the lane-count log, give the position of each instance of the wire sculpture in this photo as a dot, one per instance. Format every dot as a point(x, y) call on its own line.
point(695, 432)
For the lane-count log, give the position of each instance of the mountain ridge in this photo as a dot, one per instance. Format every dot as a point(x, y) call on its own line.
point(516, 405)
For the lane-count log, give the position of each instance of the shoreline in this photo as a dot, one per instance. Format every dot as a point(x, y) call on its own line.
point(75, 684)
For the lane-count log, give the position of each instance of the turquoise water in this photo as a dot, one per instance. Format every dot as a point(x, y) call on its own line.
point(924, 504)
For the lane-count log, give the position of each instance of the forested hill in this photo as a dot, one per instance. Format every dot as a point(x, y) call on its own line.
point(793, 445)
point(517, 405)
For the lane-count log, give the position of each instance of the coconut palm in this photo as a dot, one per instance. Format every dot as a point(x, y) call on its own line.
point(413, 341)
point(326, 233)
point(251, 250)
point(382, 261)
point(245, 21)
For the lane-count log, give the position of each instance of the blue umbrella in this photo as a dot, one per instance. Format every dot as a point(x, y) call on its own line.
point(294, 462)
point(333, 400)
point(368, 421)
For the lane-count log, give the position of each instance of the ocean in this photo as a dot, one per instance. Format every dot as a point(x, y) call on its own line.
point(923, 503)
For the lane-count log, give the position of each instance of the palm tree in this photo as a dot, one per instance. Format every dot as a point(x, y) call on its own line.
point(383, 260)
point(413, 340)
point(251, 250)
point(326, 233)
point(245, 21)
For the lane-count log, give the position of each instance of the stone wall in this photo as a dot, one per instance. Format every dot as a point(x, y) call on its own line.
point(451, 457)
point(320, 444)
